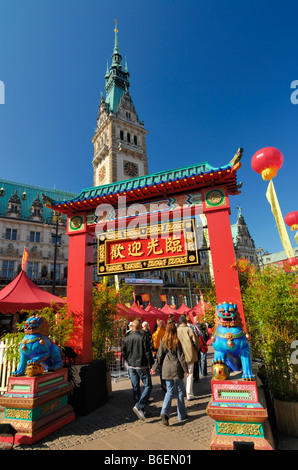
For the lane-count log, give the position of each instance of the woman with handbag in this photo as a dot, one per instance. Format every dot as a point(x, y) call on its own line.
point(191, 347)
point(171, 357)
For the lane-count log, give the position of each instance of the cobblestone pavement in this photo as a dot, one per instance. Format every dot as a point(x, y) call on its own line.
point(114, 425)
point(117, 415)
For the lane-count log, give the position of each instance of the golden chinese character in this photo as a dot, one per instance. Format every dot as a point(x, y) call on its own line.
point(116, 251)
point(173, 245)
point(152, 245)
point(134, 249)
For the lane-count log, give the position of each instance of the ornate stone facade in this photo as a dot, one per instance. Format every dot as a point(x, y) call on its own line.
point(23, 224)
point(243, 243)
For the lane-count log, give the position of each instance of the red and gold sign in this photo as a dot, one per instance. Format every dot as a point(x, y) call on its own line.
point(155, 246)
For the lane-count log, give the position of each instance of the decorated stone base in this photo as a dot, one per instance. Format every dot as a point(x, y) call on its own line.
point(37, 406)
point(240, 415)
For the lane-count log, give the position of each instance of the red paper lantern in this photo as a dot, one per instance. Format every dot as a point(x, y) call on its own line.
point(267, 162)
point(292, 261)
point(291, 219)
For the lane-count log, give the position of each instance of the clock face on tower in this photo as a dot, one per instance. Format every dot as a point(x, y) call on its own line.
point(130, 168)
point(101, 173)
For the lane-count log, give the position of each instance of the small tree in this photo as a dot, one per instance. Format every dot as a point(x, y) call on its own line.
point(106, 318)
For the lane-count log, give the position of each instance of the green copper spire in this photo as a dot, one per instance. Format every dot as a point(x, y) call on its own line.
point(116, 57)
point(116, 47)
point(117, 79)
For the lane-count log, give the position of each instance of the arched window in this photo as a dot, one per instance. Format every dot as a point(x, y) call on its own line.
point(135, 139)
point(128, 137)
point(121, 135)
point(44, 271)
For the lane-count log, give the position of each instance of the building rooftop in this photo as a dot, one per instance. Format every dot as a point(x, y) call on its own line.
point(28, 193)
point(270, 258)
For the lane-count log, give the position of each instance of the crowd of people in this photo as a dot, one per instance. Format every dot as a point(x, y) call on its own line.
point(176, 351)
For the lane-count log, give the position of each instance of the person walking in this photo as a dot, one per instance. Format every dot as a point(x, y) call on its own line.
point(196, 367)
point(191, 346)
point(171, 357)
point(156, 337)
point(203, 336)
point(137, 353)
point(147, 331)
point(158, 334)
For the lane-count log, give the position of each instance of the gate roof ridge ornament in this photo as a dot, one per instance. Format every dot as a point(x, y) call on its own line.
point(144, 188)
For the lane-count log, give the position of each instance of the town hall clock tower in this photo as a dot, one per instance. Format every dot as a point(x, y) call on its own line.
point(119, 138)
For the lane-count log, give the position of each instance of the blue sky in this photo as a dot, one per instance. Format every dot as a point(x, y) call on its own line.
point(206, 77)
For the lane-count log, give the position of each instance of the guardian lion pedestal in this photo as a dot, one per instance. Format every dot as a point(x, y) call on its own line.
point(237, 406)
point(240, 415)
point(37, 406)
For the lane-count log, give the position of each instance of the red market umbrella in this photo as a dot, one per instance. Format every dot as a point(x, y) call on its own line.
point(184, 309)
point(197, 311)
point(23, 294)
point(158, 313)
point(169, 310)
point(151, 318)
point(136, 310)
point(145, 315)
point(124, 311)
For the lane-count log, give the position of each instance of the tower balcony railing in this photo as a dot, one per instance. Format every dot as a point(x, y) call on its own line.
point(101, 152)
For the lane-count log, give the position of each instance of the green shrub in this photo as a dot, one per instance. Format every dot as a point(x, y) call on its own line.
point(60, 326)
point(270, 301)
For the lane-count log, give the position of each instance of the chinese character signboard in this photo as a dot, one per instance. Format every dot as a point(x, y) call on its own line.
point(157, 246)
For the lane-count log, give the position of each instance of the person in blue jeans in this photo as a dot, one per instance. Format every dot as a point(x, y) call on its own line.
point(137, 353)
point(171, 357)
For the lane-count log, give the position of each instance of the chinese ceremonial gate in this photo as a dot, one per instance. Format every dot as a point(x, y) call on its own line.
point(160, 232)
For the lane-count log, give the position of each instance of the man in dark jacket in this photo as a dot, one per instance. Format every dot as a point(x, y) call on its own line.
point(137, 353)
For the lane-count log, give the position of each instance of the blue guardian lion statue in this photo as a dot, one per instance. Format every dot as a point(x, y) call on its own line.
point(231, 344)
point(37, 352)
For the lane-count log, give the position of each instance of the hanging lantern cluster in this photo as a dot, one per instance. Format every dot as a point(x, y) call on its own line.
point(292, 261)
point(267, 162)
point(291, 219)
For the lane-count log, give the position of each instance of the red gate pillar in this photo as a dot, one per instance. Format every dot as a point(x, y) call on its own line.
point(79, 287)
point(216, 207)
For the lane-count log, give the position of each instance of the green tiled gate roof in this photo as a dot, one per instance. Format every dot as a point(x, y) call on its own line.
point(150, 186)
